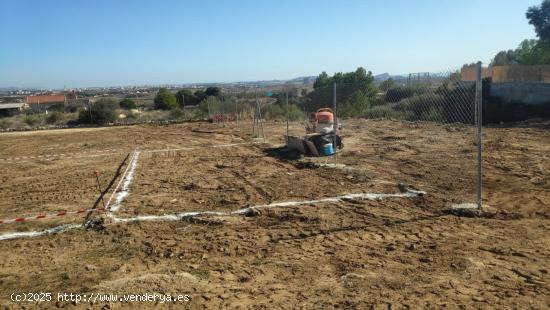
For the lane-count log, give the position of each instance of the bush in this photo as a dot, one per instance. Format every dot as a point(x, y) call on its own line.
point(54, 117)
point(398, 93)
point(349, 110)
point(100, 113)
point(386, 111)
point(165, 100)
point(203, 108)
point(58, 107)
point(131, 116)
point(5, 123)
point(213, 91)
point(278, 112)
point(127, 104)
point(71, 108)
point(295, 113)
point(273, 112)
point(186, 97)
point(32, 120)
point(387, 84)
point(177, 113)
point(426, 108)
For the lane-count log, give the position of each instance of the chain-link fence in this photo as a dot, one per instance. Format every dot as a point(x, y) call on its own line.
point(222, 109)
point(416, 118)
point(231, 106)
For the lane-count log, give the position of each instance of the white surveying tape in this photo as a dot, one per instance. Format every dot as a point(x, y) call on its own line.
point(167, 217)
point(123, 192)
point(178, 216)
point(53, 230)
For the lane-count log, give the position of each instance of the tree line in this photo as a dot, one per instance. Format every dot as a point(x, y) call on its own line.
point(166, 100)
point(534, 51)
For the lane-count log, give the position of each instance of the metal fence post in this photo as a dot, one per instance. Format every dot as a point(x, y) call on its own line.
point(335, 125)
point(237, 111)
point(287, 117)
point(255, 113)
point(479, 103)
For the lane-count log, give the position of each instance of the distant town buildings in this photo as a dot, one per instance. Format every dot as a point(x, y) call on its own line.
point(44, 102)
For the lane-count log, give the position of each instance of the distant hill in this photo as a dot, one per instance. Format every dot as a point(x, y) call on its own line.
point(4, 89)
point(382, 77)
point(303, 80)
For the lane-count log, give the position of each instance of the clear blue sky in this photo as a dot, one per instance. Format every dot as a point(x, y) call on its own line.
point(81, 43)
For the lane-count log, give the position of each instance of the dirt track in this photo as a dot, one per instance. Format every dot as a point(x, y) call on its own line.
point(351, 254)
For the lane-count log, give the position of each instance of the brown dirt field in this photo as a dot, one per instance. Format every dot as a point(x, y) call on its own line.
point(398, 252)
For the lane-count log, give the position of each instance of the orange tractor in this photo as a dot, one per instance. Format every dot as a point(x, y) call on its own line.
point(321, 120)
point(322, 138)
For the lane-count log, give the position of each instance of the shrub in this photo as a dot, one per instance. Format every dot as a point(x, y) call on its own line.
point(71, 108)
point(387, 84)
point(57, 107)
point(32, 120)
point(425, 108)
point(127, 104)
point(398, 93)
point(295, 113)
point(54, 117)
point(197, 113)
point(386, 111)
point(100, 113)
point(203, 107)
point(177, 113)
point(213, 91)
point(349, 110)
point(186, 97)
point(358, 102)
point(165, 100)
point(5, 123)
point(278, 112)
point(131, 115)
point(273, 112)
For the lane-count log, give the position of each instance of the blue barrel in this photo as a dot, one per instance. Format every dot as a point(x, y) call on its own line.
point(328, 149)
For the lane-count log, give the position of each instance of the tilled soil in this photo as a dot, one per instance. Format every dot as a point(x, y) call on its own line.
point(392, 252)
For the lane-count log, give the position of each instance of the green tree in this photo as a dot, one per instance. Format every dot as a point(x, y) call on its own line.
point(531, 52)
point(127, 104)
point(539, 17)
point(360, 100)
point(186, 97)
point(213, 91)
point(200, 96)
point(101, 112)
point(387, 84)
point(322, 80)
point(505, 58)
point(355, 91)
point(165, 100)
point(398, 93)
